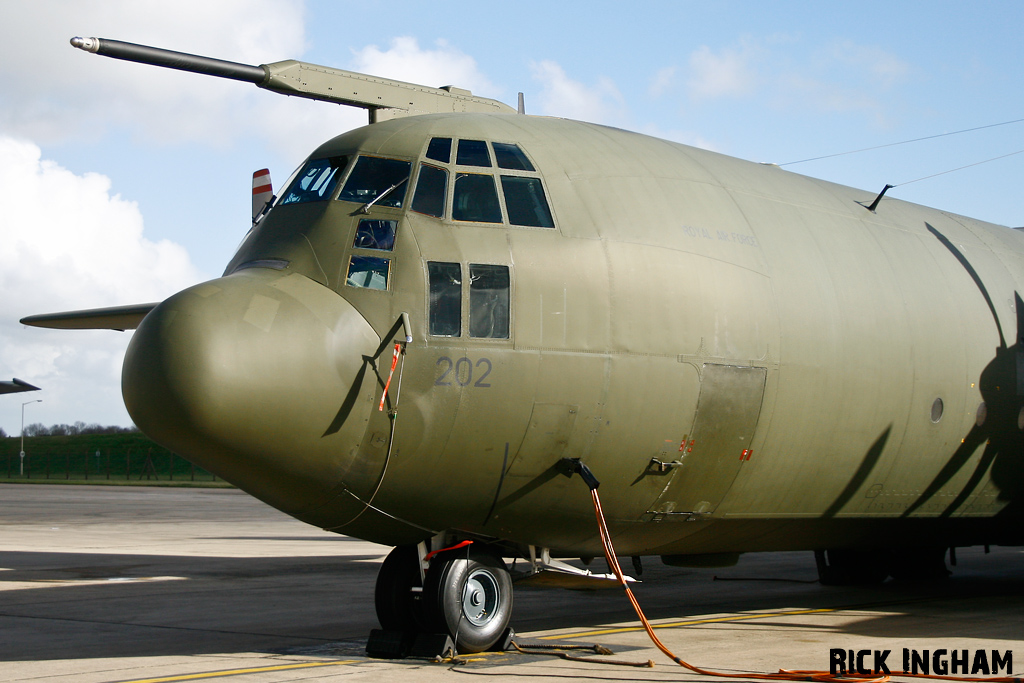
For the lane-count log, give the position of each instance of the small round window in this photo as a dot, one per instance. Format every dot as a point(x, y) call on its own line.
point(937, 410)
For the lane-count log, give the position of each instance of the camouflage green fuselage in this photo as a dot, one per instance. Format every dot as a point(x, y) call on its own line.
point(811, 373)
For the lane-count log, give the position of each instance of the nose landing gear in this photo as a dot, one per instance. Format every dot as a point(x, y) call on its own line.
point(466, 595)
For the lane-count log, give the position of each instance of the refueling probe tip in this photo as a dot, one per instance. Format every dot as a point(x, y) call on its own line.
point(87, 44)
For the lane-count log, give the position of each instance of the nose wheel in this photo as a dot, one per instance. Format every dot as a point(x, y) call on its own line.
point(467, 596)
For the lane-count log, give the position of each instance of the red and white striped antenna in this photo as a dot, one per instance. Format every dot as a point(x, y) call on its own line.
point(262, 192)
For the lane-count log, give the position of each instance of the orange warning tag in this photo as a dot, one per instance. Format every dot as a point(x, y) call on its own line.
point(394, 364)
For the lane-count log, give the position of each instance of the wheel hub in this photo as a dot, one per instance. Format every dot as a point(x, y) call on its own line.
point(480, 597)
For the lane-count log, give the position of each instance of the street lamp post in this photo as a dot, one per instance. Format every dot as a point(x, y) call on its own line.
point(22, 454)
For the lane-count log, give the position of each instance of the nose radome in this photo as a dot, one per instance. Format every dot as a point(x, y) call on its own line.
point(259, 378)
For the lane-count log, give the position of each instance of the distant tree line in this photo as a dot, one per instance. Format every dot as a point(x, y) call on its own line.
point(39, 429)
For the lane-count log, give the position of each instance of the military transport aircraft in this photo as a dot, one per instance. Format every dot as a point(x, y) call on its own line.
point(443, 311)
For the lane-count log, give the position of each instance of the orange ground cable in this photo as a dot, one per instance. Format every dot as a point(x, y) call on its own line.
point(783, 674)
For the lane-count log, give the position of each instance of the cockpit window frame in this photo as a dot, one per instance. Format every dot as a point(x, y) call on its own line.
point(405, 189)
point(421, 166)
point(469, 179)
point(467, 311)
point(496, 171)
point(334, 180)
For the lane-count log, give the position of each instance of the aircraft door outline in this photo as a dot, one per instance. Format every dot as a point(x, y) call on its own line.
point(718, 442)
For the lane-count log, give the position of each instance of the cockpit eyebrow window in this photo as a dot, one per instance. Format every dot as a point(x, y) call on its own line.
point(475, 196)
point(374, 177)
point(511, 157)
point(473, 153)
point(440, 149)
point(315, 182)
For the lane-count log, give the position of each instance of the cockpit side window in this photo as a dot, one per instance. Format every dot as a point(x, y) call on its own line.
point(373, 177)
point(431, 189)
point(440, 149)
point(488, 301)
point(524, 199)
point(475, 199)
point(511, 157)
point(473, 153)
point(369, 272)
point(375, 234)
point(315, 182)
point(445, 298)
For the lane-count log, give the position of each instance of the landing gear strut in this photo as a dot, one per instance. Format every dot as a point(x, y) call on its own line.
point(467, 595)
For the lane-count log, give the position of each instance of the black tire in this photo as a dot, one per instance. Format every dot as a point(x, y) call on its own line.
point(851, 567)
point(470, 599)
point(920, 565)
point(392, 596)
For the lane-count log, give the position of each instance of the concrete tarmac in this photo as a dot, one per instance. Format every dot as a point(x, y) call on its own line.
point(119, 584)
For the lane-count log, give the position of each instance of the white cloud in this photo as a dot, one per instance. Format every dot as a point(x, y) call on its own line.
point(885, 69)
point(726, 74)
point(571, 99)
point(67, 243)
point(839, 76)
point(53, 92)
point(662, 81)
point(801, 91)
point(294, 127)
point(406, 61)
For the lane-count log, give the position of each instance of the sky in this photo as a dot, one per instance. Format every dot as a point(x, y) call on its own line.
point(125, 183)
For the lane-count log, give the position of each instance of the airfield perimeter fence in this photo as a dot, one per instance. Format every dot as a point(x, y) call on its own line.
point(98, 458)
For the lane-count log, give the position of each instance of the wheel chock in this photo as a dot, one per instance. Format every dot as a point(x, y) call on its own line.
point(432, 645)
point(389, 644)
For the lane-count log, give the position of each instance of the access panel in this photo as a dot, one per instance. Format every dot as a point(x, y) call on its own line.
point(718, 443)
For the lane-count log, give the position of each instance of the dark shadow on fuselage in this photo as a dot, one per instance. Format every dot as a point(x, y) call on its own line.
point(353, 392)
point(997, 425)
point(861, 475)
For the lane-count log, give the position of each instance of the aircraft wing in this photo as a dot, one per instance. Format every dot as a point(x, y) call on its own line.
point(16, 385)
point(119, 318)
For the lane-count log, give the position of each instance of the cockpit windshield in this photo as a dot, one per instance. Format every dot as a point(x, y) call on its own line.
point(315, 182)
point(372, 177)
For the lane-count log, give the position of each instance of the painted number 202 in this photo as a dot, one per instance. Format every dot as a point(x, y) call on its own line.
point(461, 372)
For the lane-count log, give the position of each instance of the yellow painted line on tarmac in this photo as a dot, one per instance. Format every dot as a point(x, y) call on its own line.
point(240, 672)
point(691, 622)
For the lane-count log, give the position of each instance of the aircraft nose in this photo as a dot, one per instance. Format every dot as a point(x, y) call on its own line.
point(259, 378)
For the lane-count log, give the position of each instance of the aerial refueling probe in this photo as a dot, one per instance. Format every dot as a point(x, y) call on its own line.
point(384, 98)
point(182, 61)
